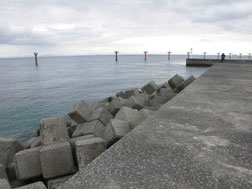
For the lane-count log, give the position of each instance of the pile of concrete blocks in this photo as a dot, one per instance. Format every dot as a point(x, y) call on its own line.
point(67, 143)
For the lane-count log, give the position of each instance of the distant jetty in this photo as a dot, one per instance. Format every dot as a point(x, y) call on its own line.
point(209, 62)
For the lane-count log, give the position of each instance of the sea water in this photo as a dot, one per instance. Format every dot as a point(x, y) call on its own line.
point(29, 93)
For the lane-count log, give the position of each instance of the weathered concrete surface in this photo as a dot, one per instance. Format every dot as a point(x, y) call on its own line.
point(36, 185)
point(202, 138)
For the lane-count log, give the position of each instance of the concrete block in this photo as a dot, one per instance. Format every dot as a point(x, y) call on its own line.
point(115, 130)
point(87, 150)
point(98, 104)
point(16, 184)
point(53, 129)
point(28, 164)
point(36, 142)
point(185, 83)
point(55, 183)
point(36, 185)
point(3, 172)
point(150, 88)
point(80, 112)
point(8, 148)
point(71, 130)
point(56, 160)
point(101, 114)
point(120, 99)
point(27, 144)
point(146, 98)
point(4, 184)
point(128, 93)
point(154, 108)
point(141, 116)
point(11, 172)
point(114, 107)
point(175, 81)
point(127, 114)
point(165, 91)
point(158, 100)
point(90, 128)
point(135, 102)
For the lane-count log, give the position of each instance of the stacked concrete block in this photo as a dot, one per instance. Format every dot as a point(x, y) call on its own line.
point(141, 116)
point(3, 172)
point(135, 102)
point(97, 104)
point(165, 91)
point(185, 83)
point(94, 128)
point(150, 88)
point(56, 160)
point(152, 108)
point(157, 101)
point(87, 150)
point(27, 144)
point(53, 129)
point(101, 114)
point(120, 99)
point(55, 183)
point(114, 106)
point(127, 114)
point(37, 142)
point(128, 93)
point(4, 184)
point(8, 148)
point(146, 98)
point(80, 112)
point(115, 130)
point(71, 129)
point(36, 185)
point(28, 164)
point(175, 81)
point(11, 172)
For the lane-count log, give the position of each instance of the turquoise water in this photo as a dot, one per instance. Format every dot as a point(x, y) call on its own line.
point(29, 93)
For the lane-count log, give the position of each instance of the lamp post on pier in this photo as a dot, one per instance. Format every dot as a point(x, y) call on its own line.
point(169, 55)
point(36, 58)
point(249, 55)
point(218, 57)
point(145, 55)
point(116, 57)
point(240, 56)
point(230, 56)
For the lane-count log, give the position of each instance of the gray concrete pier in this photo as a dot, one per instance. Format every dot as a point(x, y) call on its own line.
point(202, 138)
point(197, 62)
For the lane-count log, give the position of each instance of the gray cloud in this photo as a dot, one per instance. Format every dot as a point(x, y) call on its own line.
point(63, 25)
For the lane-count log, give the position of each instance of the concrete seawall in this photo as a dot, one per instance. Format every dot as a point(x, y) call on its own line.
point(209, 62)
point(200, 139)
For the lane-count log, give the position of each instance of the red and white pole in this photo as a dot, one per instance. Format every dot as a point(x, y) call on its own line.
point(188, 55)
point(145, 55)
point(204, 55)
point(36, 58)
point(116, 57)
point(169, 55)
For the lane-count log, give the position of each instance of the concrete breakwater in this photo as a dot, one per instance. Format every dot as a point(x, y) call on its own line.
point(66, 144)
point(209, 62)
point(201, 139)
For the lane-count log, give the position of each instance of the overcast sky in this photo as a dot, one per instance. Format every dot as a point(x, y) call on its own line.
point(63, 27)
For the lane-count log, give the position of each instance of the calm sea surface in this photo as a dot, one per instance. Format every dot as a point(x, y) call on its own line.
point(29, 93)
